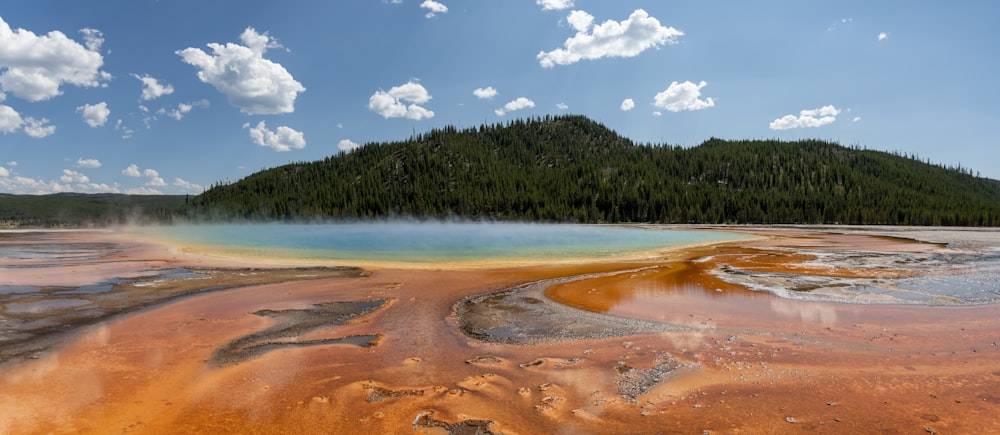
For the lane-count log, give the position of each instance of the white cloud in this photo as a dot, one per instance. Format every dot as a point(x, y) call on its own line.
point(347, 145)
point(183, 109)
point(882, 36)
point(126, 132)
point(151, 88)
point(70, 176)
point(562, 106)
point(485, 93)
point(657, 113)
point(97, 188)
point(434, 8)
point(37, 128)
point(683, 96)
point(12, 163)
point(554, 5)
point(842, 21)
point(518, 104)
point(856, 119)
point(92, 38)
point(807, 118)
point(4, 172)
point(131, 171)
point(143, 191)
point(153, 176)
point(95, 115)
point(10, 120)
point(283, 139)
point(35, 67)
point(188, 186)
point(69, 181)
point(88, 163)
point(255, 85)
point(627, 38)
point(402, 102)
point(628, 104)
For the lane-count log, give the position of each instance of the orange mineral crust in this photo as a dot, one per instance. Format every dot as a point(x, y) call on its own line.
point(640, 346)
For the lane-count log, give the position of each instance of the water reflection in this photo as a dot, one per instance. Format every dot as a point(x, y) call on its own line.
point(685, 296)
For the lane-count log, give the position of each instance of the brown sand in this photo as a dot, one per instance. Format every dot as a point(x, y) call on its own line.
point(731, 361)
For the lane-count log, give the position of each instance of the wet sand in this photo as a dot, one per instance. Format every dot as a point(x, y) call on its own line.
point(633, 346)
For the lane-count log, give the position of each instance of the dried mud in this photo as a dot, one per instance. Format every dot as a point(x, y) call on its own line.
point(658, 346)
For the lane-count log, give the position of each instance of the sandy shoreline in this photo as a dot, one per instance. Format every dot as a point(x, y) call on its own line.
point(703, 354)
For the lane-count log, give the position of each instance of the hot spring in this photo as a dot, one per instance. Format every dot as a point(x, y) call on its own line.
point(428, 242)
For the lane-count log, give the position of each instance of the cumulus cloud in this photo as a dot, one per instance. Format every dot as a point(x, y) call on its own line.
point(856, 119)
point(88, 163)
point(188, 186)
point(151, 87)
point(882, 36)
point(434, 8)
point(257, 86)
point(683, 96)
point(182, 109)
point(153, 179)
point(347, 145)
point(70, 176)
point(807, 118)
point(554, 5)
point(628, 104)
point(126, 132)
point(92, 38)
point(485, 93)
point(518, 104)
point(69, 181)
point(132, 171)
point(37, 128)
point(10, 120)
point(282, 139)
point(402, 101)
point(36, 66)
point(627, 38)
point(143, 190)
point(562, 106)
point(95, 115)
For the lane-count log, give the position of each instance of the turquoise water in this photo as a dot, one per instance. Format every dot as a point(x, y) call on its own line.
point(436, 241)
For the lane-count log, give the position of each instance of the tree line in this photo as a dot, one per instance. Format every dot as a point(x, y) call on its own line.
point(572, 169)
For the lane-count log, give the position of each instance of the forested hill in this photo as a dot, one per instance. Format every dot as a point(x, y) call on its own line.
point(571, 169)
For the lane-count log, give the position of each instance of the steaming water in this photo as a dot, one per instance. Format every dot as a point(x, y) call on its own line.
point(436, 241)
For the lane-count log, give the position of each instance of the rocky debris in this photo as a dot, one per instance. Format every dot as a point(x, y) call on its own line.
point(524, 315)
point(484, 359)
point(296, 322)
point(426, 420)
point(633, 382)
point(378, 394)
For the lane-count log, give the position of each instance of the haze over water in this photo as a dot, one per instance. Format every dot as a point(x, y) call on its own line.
point(423, 242)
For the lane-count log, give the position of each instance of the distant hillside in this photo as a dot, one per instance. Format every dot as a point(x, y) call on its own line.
point(77, 209)
point(571, 169)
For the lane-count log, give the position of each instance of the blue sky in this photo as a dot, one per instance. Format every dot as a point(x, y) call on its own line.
point(141, 96)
